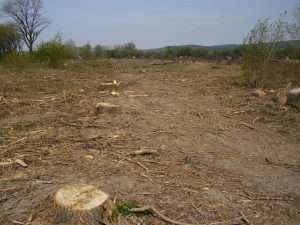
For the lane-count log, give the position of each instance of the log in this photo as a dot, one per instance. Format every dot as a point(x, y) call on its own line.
point(81, 205)
point(104, 107)
point(114, 85)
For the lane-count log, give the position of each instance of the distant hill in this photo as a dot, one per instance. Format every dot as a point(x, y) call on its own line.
point(220, 47)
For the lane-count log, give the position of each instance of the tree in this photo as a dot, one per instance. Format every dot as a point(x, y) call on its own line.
point(28, 17)
point(71, 50)
point(86, 51)
point(10, 40)
point(99, 51)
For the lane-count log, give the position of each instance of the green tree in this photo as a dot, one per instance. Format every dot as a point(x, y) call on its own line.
point(99, 51)
point(10, 39)
point(86, 51)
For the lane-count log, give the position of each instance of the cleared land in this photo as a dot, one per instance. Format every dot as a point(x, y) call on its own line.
point(216, 151)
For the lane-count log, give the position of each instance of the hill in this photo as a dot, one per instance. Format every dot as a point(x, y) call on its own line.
point(220, 47)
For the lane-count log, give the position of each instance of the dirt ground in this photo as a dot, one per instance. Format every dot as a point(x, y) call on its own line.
point(221, 150)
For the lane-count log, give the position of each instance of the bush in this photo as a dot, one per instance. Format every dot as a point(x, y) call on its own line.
point(86, 51)
point(71, 50)
point(17, 61)
point(52, 53)
point(259, 50)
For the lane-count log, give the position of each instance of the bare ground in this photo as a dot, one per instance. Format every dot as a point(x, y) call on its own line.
point(221, 151)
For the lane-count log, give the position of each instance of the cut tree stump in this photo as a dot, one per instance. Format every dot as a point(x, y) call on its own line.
point(82, 205)
point(104, 107)
point(293, 97)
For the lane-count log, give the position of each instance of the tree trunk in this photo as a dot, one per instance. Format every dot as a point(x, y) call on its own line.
point(30, 48)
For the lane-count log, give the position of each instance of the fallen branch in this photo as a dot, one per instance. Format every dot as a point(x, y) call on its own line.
point(159, 214)
point(79, 125)
point(11, 162)
point(143, 152)
point(248, 125)
point(245, 219)
point(137, 163)
point(13, 143)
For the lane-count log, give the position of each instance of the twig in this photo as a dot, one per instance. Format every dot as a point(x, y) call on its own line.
point(143, 152)
point(248, 125)
point(245, 219)
point(159, 214)
point(13, 143)
point(197, 209)
point(18, 222)
point(79, 125)
point(137, 163)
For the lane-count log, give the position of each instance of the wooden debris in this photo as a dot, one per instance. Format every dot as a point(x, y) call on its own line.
point(248, 125)
point(21, 162)
point(245, 219)
point(137, 163)
point(10, 162)
point(144, 152)
point(137, 96)
point(259, 93)
point(159, 214)
point(104, 107)
point(110, 85)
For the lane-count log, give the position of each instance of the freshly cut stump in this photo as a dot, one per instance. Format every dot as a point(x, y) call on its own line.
point(82, 205)
point(104, 107)
point(293, 97)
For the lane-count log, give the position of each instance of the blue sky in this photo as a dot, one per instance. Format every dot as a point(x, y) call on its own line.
point(156, 23)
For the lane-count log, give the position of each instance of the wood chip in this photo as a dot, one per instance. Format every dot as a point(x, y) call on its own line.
point(21, 162)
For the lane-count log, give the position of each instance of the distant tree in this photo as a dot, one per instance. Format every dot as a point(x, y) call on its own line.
point(71, 50)
point(10, 39)
point(29, 18)
point(86, 51)
point(200, 52)
point(170, 52)
point(99, 51)
point(128, 50)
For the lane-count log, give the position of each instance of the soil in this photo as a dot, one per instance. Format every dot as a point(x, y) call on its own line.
point(221, 150)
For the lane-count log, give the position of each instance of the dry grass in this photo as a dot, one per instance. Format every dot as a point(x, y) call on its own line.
point(211, 135)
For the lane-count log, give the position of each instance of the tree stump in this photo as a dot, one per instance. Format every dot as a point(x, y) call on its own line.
point(293, 97)
point(82, 205)
point(104, 107)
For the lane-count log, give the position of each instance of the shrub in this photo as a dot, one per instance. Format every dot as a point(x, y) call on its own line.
point(71, 50)
point(86, 51)
point(52, 53)
point(17, 61)
point(259, 49)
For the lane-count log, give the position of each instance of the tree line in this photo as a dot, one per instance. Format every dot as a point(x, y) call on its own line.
point(28, 21)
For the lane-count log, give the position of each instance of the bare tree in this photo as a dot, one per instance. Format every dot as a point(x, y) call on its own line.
point(29, 18)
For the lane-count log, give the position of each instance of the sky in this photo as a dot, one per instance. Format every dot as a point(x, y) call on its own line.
point(157, 23)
